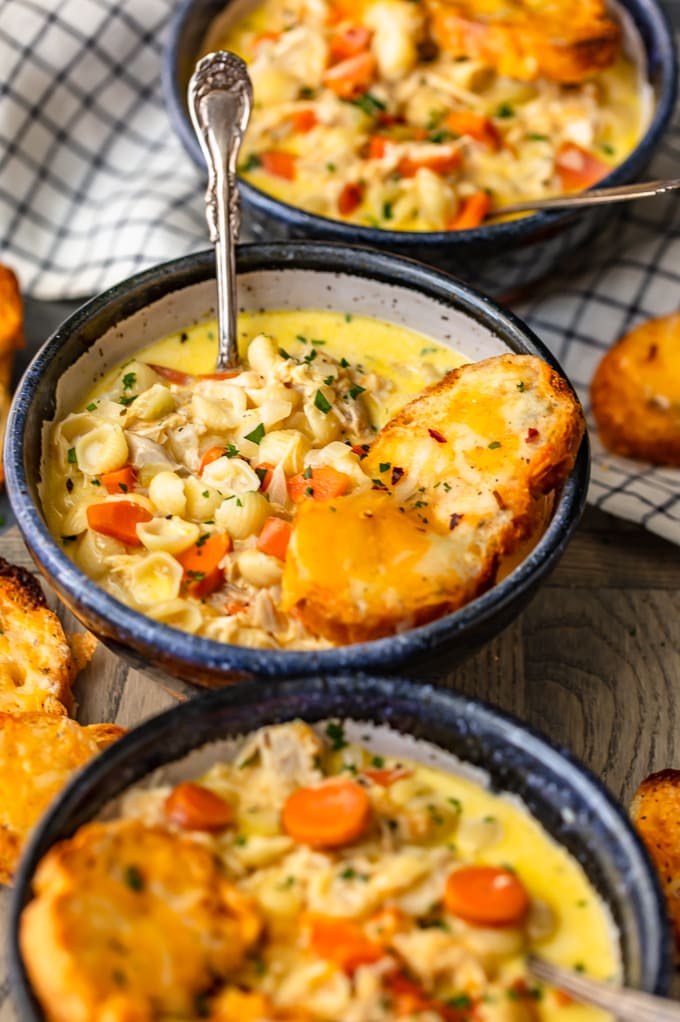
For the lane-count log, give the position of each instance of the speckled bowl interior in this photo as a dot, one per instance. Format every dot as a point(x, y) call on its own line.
point(498, 258)
point(175, 295)
point(393, 717)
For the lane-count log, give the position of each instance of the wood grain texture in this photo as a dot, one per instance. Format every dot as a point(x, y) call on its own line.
point(594, 663)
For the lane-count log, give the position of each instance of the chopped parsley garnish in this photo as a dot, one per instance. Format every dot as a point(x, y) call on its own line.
point(310, 356)
point(388, 210)
point(196, 576)
point(301, 338)
point(348, 319)
point(494, 444)
point(385, 465)
point(129, 381)
point(355, 390)
point(317, 342)
point(459, 1001)
point(369, 103)
point(92, 407)
point(505, 110)
point(232, 451)
point(251, 162)
point(428, 351)
point(307, 474)
point(256, 435)
point(127, 400)
point(133, 878)
point(283, 353)
point(378, 762)
point(71, 456)
point(336, 734)
point(343, 361)
point(608, 149)
point(331, 168)
point(240, 840)
point(441, 136)
point(206, 493)
point(520, 386)
point(321, 403)
point(535, 137)
point(328, 380)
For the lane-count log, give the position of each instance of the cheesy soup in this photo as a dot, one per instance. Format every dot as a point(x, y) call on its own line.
point(334, 884)
point(175, 488)
point(361, 115)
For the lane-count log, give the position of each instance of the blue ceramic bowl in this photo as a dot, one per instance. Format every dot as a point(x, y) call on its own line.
point(573, 807)
point(174, 295)
point(499, 259)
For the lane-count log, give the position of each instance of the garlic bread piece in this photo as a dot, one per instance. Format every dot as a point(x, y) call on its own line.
point(655, 811)
point(529, 39)
point(132, 922)
point(38, 754)
point(38, 661)
point(457, 477)
point(635, 393)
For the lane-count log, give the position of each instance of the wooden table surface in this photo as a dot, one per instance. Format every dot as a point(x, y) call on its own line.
point(594, 662)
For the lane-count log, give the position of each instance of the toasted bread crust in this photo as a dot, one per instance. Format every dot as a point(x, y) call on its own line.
point(47, 747)
point(635, 393)
point(566, 43)
point(656, 814)
point(90, 936)
point(37, 665)
point(458, 474)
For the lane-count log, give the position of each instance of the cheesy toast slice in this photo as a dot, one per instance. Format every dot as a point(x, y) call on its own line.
point(656, 814)
point(457, 479)
point(529, 39)
point(132, 922)
point(38, 661)
point(38, 754)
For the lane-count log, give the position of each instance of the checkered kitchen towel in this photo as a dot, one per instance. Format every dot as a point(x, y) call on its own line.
point(94, 185)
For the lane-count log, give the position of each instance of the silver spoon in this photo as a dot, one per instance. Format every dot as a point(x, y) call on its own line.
point(596, 197)
point(220, 100)
point(624, 1004)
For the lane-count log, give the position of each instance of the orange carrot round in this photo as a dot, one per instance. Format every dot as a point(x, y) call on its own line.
point(477, 126)
point(486, 896)
point(578, 169)
point(329, 815)
point(343, 942)
point(322, 484)
point(275, 537)
point(212, 454)
point(471, 213)
point(349, 41)
point(121, 481)
point(352, 76)
point(193, 807)
point(119, 520)
point(279, 163)
point(202, 574)
point(440, 159)
point(350, 198)
point(303, 121)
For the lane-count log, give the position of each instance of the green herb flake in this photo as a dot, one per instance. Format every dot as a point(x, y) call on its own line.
point(129, 381)
point(251, 162)
point(348, 319)
point(71, 456)
point(95, 482)
point(385, 466)
point(283, 353)
point(494, 445)
point(369, 103)
point(521, 387)
point(321, 403)
point(378, 762)
point(240, 840)
point(535, 137)
point(608, 149)
point(456, 803)
point(92, 407)
point(301, 338)
point(310, 356)
point(328, 380)
point(127, 400)
point(317, 342)
point(331, 168)
point(133, 878)
point(355, 390)
point(336, 734)
point(460, 1001)
point(343, 361)
point(206, 493)
point(309, 492)
point(388, 210)
point(428, 351)
point(256, 435)
point(505, 110)
point(307, 474)
point(231, 451)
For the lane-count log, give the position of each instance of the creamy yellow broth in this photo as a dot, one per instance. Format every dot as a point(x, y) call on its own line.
point(208, 465)
point(439, 822)
point(312, 148)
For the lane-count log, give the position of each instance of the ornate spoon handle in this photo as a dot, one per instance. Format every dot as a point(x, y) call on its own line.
point(220, 100)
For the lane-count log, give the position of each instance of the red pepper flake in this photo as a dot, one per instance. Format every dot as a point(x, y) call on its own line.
point(453, 521)
point(531, 435)
point(397, 473)
point(436, 435)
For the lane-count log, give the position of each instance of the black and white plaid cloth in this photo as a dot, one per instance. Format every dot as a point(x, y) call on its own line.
point(94, 185)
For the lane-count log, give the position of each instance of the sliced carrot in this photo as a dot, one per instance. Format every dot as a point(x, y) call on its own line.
point(472, 212)
point(183, 379)
point(265, 471)
point(486, 896)
point(279, 163)
point(378, 147)
point(387, 775)
point(329, 815)
point(266, 37)
point(410, 998)
point(202, 574)
point(121, 481)
point(578, 169)
point(343, 942)
point(118, 519)
point(477, 126)
point(275, 537)
point(351, 77)
point(440, 159)
point(350, 197)
point(193, 807)
point(303, 121)
point(212, 454)
point(323, 483)
point(349, 41)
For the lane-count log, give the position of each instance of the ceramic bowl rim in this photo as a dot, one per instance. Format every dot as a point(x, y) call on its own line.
point(656, 20)
point(210, 654)
point(120, 763)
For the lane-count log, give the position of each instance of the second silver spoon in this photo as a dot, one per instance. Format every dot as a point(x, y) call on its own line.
point(596, 197)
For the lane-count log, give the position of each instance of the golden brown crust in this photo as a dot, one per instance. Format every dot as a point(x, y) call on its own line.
point(37, 666)
point(459, 473)
point(38, 754)
point(90, 937)
point(656, 814)
point(562, 41)
point(635, 393)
